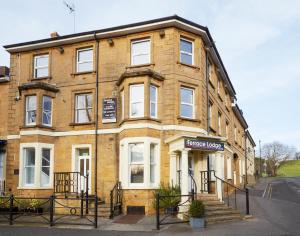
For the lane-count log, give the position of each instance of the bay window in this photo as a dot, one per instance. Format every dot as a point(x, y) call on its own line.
point(84, 60)
point(187, 102)
point(141, 156)
point(30, 110)
point(140, 52)
point(186, 51)
point(36, 165)
point(136, 101)
point(40, 66)
point(83, 108)
point(47, 111)
point(153, 101)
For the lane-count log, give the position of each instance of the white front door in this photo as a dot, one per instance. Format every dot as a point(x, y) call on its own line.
point(84, 167)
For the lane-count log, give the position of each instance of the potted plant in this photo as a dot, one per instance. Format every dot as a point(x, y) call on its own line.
point(196, 212)
point(170, 198)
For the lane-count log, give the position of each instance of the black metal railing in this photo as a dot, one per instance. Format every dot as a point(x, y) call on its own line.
point(205, 177)
point(2, 187)
point(50, 210)
point(241, 178)
point(116, 195)
point(193, 184)
point(231, 194)
point(70, 183)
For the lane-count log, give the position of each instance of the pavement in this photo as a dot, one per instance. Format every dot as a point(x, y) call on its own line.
point(274, 205)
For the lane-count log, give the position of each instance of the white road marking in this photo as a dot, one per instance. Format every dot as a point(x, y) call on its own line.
point(265, 190)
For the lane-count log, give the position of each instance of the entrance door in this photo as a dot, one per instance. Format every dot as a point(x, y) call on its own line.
point(84, 167)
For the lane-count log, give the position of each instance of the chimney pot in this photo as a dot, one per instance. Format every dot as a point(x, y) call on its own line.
point(54, 34)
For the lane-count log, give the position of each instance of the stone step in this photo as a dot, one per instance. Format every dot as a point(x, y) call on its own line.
point(221, 219)
point(217, 207)
point(220, 212)
point(212, 203)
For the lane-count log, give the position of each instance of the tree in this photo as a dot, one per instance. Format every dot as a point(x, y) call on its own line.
point(297, 156)
point(275, 153)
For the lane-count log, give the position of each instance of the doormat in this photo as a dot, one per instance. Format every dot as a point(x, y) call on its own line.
point(129, 219)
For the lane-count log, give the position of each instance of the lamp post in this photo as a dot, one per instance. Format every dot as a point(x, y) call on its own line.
point(260, 158)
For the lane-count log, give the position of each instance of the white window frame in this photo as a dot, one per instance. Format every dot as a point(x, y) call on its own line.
point(3, 153)
point(27, 110)
point(81, 62)
point(226, 129)
point(124, 173)
point(123, 104)
point(135, 100)
point(38, 165)
point(86, 108)
point(187, 53)
point(136, 163)
point(46, 111)
point(188, 104)
point(35, 67)
point(153, 102)
point(220, 123)
point(133, 54)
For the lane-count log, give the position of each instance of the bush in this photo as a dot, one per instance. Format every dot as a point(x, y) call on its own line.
point(4, 202)
point(196, 209)
point(172, 196)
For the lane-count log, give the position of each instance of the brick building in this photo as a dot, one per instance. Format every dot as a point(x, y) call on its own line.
point(141, 104)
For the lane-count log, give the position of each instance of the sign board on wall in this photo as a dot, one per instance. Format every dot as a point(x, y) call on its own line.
point(200, 144)
point(109, 110)
point(3, 142)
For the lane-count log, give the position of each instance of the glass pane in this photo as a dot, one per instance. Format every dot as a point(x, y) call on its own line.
point(83, 116)
point(29, 157)
point(41, 72)
point(29, 175)
point(137, 93)
point(186, 95)
point(85, 55)
point(186, 111)
point(83, 101)
point(47, 110)
point(140, 59)
point(137, 174)
point(45, 157)
point(153, 110)
point(186, 46)
point(137, 109)
point(85, 66)
point(141, 47)
point(136, 152)
point(47, 103)
point(41, 61)
point(87, 167)
point(31, 103)
point(83, 152)
point(152, 153)
point(82, 166)
point(185, 58)
point(153, 93)
point(31, 116)
point(152, 173)
point(45, 176)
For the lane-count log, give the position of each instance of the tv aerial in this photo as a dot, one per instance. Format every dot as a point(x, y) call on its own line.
point(71, 8)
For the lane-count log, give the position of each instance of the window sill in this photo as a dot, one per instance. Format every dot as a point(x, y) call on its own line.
point(227, 108)
point(33, 188)
point(140, 118)
point(188, 65)
point(219, 96)
point(78, 124)
point(37, 126)
point(188, 119)
point(211, 84)
point(41, 78)
point(138, 66)
point(212, 129)
point(84, 72)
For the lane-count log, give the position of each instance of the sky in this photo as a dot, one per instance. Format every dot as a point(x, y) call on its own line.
point(259, 42)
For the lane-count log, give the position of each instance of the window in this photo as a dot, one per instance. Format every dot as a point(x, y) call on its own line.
point(45, 167)
point(210, 114)
point(153, 169)
point(84, 60)
point(40, 67)
point(29, 166)
point(36, 165)
point(123, 104)
point(226, 129)
point(83, 108)
point(136, 153)
point(218, 86)
point(153, 101)
point(209, 65)
point(47, 111)
point(137, 100)
point(140, 52)
point(219, 123)
point(186, 52)
point(30, 118)
point(229, 168)
point(187, 102)
point(226, 99)
point(235, 134)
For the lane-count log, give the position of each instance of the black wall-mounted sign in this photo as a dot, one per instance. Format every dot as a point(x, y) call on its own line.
point(200, 144)
point(109, 110)
point(3, 142)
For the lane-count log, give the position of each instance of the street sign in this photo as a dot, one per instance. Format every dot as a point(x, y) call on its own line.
point(201, 144)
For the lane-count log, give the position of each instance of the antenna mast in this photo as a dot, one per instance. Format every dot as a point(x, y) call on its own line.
point(71, 11)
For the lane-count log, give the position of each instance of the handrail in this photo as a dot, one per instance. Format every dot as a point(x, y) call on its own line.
point(224, 181)
point(116, 199)
point(193, 184)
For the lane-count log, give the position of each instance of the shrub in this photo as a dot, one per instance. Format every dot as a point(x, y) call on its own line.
point(172, 194)
point(196, 209)
point(4, 202)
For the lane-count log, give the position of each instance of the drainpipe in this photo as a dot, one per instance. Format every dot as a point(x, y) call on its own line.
point(97, 112)
point(208, 118)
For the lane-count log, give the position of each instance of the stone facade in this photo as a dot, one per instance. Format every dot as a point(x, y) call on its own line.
point(116, 75)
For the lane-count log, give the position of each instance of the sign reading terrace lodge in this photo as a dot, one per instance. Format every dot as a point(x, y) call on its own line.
point(203, 145)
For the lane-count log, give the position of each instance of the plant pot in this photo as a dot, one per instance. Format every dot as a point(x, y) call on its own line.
point(171, 210)
point(39, 210)
point(197, 223)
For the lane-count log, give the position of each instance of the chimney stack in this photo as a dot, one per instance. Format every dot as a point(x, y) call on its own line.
point(54, 34)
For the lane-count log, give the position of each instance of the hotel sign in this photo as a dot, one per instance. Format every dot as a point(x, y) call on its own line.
point(203, 145)
point(109, 110)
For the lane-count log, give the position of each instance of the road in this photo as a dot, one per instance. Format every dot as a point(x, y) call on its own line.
point(274, 204)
